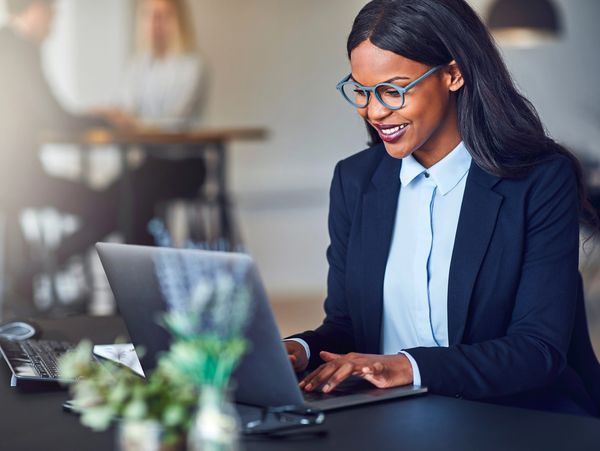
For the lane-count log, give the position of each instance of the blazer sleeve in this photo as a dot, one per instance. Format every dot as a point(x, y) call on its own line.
point(336, 332)
point(533, 352)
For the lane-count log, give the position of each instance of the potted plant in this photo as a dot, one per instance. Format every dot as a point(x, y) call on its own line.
point(208, 306)
point(156, 410)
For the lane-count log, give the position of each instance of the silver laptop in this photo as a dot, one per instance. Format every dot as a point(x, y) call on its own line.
point(264, 377)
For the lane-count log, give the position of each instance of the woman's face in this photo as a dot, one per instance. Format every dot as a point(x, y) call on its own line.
point(159, 24)
point(428, 117)
point(41, 17)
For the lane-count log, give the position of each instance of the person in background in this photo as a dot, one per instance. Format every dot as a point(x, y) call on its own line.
point(27, 109)
point(163, 89)
point(163, 83)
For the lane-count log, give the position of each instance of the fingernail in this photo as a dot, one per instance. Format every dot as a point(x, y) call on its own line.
point(301, 384)
point(309, 387)
point(326, 388)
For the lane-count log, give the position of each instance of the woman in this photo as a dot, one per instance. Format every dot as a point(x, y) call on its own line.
point(454, 239)
point(162, 90)
point(163, 83)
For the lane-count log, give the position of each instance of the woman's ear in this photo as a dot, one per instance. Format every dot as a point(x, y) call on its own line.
point(456, 80)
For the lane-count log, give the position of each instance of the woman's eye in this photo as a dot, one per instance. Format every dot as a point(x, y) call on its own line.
point(359, 92)
point(392, 93)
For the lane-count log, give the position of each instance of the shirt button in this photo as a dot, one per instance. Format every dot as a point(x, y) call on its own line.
point(426, 175)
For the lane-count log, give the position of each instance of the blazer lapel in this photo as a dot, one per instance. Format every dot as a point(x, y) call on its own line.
point(476, 223)
point(379, 212)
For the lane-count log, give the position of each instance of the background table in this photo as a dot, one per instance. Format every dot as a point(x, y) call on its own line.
point(210, 143)
point(32, 421)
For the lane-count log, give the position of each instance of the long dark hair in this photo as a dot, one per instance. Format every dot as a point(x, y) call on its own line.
point(500, 128)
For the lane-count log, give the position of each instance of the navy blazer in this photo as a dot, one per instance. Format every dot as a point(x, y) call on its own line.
point(512, 286)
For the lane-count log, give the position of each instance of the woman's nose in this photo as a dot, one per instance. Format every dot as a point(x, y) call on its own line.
point(375, 110)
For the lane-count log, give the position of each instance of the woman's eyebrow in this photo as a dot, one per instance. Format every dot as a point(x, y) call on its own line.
point(386, 81)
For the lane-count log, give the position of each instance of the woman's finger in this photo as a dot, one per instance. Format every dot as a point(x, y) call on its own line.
point(375, 374)
point(375, 369)
point(342, 373)
point(309, 377)
point(318, 378)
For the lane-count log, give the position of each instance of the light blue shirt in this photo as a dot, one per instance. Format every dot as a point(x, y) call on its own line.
point(415, 287)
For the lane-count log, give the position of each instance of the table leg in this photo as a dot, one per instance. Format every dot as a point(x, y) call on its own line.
point(85, 163)
point(228, 229)
point(126, 201)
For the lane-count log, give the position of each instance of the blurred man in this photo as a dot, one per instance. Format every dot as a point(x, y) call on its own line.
point(27, 109)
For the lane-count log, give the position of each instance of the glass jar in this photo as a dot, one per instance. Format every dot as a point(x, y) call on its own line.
point(216, 426)
point(148, 435)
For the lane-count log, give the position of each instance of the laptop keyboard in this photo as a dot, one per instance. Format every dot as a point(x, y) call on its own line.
point(34, 359)
point(350, 386)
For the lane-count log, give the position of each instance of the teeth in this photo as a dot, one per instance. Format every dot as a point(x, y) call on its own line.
point(391, 131)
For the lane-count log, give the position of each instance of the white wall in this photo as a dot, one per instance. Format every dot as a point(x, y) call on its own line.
point(275, 63)
point(88, 50)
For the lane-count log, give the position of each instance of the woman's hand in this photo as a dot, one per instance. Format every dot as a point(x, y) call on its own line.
point(117, 118)
point(383, 371)
point(297, 355)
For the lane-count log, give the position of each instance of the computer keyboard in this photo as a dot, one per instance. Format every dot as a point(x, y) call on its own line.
point(34, 359)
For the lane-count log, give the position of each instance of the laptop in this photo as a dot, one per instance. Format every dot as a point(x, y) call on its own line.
point(32, 361)
point(264, 377)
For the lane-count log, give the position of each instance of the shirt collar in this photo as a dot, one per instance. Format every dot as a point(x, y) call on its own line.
point(446, 173)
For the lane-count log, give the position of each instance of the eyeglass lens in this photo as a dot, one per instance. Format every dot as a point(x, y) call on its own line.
point(390, 96)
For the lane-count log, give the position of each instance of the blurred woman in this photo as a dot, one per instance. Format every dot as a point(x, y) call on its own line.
point(162, 86)
point(162, 89)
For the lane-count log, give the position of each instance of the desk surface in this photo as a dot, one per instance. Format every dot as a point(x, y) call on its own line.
point(101, 136)
point(35, 420)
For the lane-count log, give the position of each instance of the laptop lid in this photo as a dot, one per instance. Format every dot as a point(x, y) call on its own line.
point(264, 376)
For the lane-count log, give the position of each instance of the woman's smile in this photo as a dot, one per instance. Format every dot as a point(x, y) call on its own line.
point(391, 133)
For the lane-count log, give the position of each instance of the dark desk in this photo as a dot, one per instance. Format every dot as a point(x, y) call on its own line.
point(36, 421)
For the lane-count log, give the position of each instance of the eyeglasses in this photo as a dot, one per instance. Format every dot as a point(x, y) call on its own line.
point(388, 94)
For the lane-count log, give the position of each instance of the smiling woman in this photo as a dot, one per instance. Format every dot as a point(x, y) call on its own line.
point(428, 114)
point(454, 238)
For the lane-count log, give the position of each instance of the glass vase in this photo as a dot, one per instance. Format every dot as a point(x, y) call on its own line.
point(216, 426)
point(144, 435)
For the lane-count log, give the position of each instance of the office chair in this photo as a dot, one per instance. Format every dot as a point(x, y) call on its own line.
point(581, 356)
